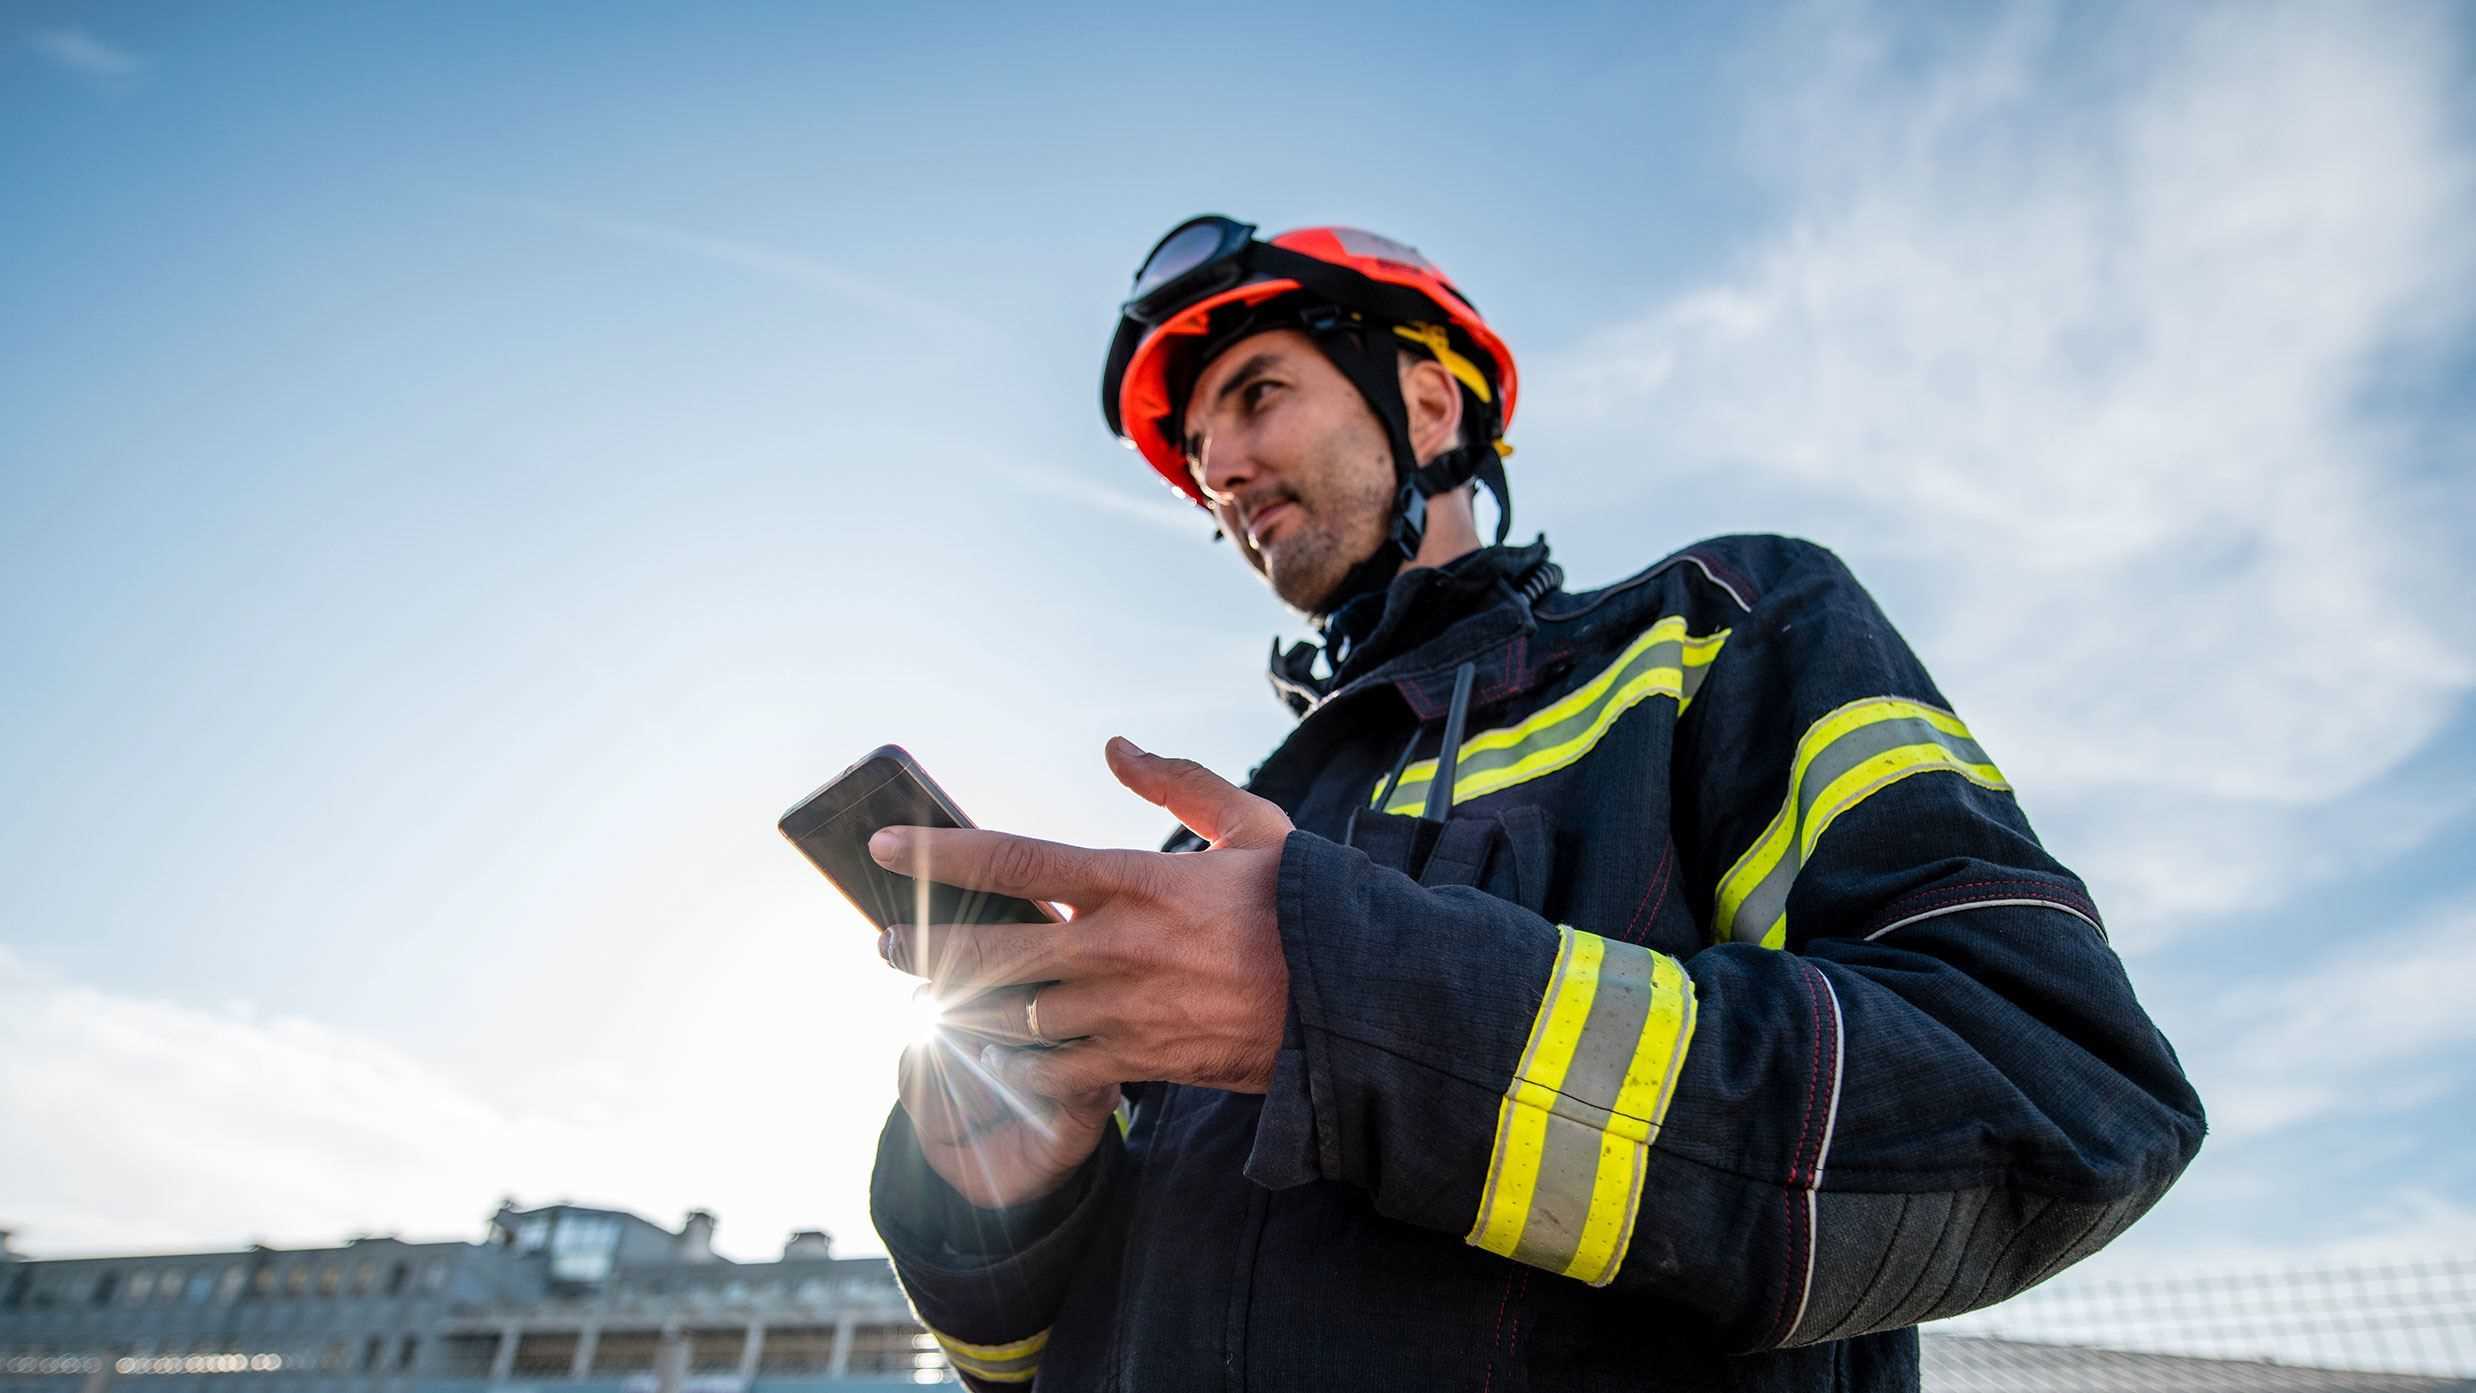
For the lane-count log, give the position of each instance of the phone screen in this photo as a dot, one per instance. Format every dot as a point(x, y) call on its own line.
point(831, 827)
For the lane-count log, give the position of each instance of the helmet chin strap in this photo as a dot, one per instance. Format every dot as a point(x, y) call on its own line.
point(1369, 359)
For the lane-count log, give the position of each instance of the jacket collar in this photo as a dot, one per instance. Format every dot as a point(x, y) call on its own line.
point(1422, 615)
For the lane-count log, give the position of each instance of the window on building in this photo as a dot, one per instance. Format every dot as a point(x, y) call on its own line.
point(168, 1284)
point(716, 1351)
point(364, 1277)
point(330, 1280)
point(545, 1353)
point(229, 1289)
point(141, 1286)
point(465, 1356)
point(296, 1282)
point(262, 1282)
point(374, 1353)
point(106, 1286)
point(434, 1276)
point(797, 1349)
point(397, 1276)
point(406, 1348)
point(201, 1286)
point(582, 1247)
point(626, 1351)
point(533, 1233)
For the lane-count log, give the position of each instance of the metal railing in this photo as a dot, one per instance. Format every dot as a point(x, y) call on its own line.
point(2399, 1317)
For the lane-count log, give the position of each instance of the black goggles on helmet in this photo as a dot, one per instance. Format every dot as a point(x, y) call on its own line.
point(1199, 257)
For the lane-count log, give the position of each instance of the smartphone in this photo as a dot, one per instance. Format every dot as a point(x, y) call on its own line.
point(888, 788)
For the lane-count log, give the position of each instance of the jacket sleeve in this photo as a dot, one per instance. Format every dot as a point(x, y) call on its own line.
point(986, 1282)
point(1909, 1079)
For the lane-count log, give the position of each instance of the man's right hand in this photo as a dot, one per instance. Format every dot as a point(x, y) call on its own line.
point(997, 1148)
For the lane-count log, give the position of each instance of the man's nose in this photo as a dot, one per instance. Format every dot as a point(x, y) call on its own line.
point(1225, 468)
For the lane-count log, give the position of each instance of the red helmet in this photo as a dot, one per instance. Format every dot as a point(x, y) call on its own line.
point(1207, 266)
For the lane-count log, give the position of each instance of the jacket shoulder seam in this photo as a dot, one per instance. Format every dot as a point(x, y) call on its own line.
point(1708, 559)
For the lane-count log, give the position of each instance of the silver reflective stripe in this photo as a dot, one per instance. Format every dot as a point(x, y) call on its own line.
point(1583, 1107)
point(1560, 1206)
point(1864, 743)
point(1768, 900)
point(1569, 1160)
point(1612, 1033)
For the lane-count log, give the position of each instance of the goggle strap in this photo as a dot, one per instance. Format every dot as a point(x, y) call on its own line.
point(1439, 345)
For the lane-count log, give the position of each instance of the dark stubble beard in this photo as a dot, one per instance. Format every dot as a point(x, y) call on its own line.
point(1341, 522)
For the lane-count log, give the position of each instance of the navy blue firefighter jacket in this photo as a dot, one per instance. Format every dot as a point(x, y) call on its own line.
point(1731, 1023)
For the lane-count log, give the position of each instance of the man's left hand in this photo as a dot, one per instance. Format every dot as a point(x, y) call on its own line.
point(1170, 969)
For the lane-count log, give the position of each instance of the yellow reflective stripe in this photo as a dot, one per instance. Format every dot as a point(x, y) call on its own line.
point(1759, 860)
point(1584, 1105)
point(1841, 760)
point(1642, 1104)
point(1852, 788)
point(1030, 1344)
point(1521, 1120)
point(1015, 1362)
point(1570, 727)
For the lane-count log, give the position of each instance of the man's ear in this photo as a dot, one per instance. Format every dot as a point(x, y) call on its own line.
point(1434, 403)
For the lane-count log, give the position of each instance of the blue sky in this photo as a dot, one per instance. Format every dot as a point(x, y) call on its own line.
point(463, 471)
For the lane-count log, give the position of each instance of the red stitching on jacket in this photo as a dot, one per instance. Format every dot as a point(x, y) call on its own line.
point(1805, 1129)
point(1521, 1299)
point(1495, 1338)
point(1659, 882)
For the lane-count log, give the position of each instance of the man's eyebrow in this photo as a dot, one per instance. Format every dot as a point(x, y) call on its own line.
point(1254, 367)
point(1248, 371)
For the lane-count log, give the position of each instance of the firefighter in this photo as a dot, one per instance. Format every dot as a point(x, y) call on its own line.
point(1657, 986)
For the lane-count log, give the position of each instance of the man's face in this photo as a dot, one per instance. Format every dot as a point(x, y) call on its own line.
point(1295, 466)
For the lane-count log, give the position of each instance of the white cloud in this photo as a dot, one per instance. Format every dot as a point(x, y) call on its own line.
point(2372, 1027)
point(81, 52)
point(2080, 313)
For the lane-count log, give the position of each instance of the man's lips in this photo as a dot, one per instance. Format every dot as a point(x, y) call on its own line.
point(1260, 523)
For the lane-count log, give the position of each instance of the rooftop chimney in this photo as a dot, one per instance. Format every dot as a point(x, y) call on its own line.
point(696, 1237)
point(808, 1243)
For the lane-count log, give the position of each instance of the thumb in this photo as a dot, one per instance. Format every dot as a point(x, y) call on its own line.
point(1212, 807)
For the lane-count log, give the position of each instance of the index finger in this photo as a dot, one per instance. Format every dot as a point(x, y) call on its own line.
point(975, 858)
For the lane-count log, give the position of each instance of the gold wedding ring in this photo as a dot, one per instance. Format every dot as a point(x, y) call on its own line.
point(1031, 1016)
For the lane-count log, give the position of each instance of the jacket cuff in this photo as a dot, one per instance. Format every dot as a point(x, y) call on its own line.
point(989, 1276)
point(1405, 1001)
point(1297, 1137)
point(1284, 1154)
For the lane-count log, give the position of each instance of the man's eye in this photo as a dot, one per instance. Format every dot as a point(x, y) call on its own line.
point(1254, 394)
